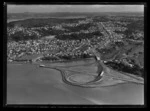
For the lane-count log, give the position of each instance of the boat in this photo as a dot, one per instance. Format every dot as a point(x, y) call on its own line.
point(41, 65)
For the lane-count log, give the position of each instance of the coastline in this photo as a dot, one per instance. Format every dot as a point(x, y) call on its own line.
point(45, 85)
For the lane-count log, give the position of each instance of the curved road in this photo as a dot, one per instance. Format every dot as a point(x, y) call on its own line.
point(105, 76)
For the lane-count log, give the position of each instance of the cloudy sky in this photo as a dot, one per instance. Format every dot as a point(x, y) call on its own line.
point(74, 8)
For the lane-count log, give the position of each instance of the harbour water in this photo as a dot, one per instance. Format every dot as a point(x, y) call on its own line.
point(30, 84)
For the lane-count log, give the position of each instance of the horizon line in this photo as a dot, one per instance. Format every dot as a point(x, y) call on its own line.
point(84, 12)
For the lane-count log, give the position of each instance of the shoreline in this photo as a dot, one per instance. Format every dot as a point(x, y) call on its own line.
point(71, 17)
point(74, 60)
point(126, 93)
point(57, 61)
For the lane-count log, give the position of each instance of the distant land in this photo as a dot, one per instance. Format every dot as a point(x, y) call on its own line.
point(68, 14)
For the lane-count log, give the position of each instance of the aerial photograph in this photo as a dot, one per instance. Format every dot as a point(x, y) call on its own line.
point(75, 54)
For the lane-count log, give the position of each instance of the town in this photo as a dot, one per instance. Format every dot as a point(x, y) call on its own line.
point(62, 39)
point(75, 53)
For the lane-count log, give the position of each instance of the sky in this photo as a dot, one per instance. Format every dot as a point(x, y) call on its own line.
point(74, 8)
